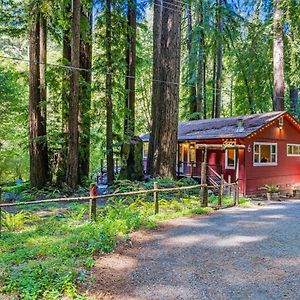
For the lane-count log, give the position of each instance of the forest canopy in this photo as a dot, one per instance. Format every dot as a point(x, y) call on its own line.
point(79, 78)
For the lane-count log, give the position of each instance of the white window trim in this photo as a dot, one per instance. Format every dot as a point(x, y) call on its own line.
point(226, 160)
point(287, 149)
point(265, 164)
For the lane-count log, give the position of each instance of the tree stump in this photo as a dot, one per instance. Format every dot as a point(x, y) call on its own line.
point(132, 160)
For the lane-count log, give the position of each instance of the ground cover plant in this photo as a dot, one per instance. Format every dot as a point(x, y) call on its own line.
point(49, 258)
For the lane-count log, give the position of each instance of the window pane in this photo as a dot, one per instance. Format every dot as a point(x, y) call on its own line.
point(265, 153)
point(192, 153)
point(230, 158)
point(256, 158)
point(273, 158)
point(273, 149)
point(290, 149)
point(256, 149)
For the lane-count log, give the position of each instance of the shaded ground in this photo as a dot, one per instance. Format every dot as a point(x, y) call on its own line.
point(237, 253)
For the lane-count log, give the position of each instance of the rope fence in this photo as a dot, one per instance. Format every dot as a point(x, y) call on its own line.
point(233, 188)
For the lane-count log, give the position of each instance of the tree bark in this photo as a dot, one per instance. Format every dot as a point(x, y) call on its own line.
point(37, 117)
point(73, 147)
point(200, 63)
point(204, 90)
point(213, 101)
point(155, 101)
point(85, 96)
point(219, 60)
point(109, 104)
point(278, 57)
point(165, 136)
point(191, 68)
point(129, 121)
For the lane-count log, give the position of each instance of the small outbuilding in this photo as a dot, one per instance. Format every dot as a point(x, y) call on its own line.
point(255, 149)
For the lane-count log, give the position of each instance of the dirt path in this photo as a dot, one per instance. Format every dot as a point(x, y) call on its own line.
point(234, 254)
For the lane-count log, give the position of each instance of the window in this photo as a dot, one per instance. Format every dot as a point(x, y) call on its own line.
point(145, 150)
point(192, 155)
point(265, 154)
point(230, 159)
point(293, 149)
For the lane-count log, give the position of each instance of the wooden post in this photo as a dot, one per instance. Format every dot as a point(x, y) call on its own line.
point(237, 194)
point(220, 194)
point(155, 198)
point(93, 203)
point(204, 189)
point(229, 186)
point(237, 167)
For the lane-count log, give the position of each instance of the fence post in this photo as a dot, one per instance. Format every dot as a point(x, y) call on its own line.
point(237, 194)
point(204, 189)
point(155, 198)
point(93, 203)
point(229, 185)
point(220, 194)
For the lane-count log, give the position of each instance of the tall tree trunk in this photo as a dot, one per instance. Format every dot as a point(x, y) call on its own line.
point(278, 57)
point(231, 96)
point(294, 101)
point(43, 91)
point(200, 62)
point(155, 101)
point(213, 101)
point(129, 124)
point(165, 137)
point(37, 126)
point(204, 90)
point(219, 60)
point(109, 105)
point(73, 148)
point(85, 97)
point(191, 60)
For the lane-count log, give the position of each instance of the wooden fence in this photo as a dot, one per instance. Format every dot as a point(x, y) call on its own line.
point(203, 197)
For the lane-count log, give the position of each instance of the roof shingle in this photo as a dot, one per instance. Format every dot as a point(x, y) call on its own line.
point(231, 127)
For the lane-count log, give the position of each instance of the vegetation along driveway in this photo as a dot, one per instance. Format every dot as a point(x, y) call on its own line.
point(237, 253)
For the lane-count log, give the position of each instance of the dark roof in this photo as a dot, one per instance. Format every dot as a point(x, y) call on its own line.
point(231, 127)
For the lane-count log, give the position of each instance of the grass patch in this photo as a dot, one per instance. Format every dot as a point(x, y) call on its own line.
point(226, 200)
point(47, 259)
point(245, 202)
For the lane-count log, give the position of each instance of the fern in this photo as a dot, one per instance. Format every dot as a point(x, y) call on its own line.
point(17, 221)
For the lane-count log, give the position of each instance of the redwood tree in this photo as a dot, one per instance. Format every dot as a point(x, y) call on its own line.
point(85, 94)
point(278, 57)
point(165, 133)
point(129, 124)
point(73, 145)
point(191, 60)
point(155, 101)
point(218, 103)
point(108, 96)
point(39, 173)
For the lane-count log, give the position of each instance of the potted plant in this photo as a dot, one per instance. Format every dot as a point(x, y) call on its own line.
point(272, 191)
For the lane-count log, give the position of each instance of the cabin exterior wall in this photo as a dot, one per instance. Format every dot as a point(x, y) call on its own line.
point(286, 172)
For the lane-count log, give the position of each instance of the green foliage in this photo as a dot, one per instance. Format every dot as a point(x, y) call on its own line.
point(18, 220)
point(46, 260)
point(271, 188)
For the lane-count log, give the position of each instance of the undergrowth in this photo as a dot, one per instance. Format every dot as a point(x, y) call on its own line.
point(49, 258)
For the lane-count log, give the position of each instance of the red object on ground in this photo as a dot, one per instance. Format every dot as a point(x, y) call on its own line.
point(93, 191)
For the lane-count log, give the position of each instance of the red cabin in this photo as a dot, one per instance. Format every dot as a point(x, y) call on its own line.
point(269, 150)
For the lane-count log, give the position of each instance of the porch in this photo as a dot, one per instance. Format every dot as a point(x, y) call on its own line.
point(209, 163)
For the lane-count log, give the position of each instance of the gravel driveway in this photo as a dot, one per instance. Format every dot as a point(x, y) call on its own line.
point(237, 253)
